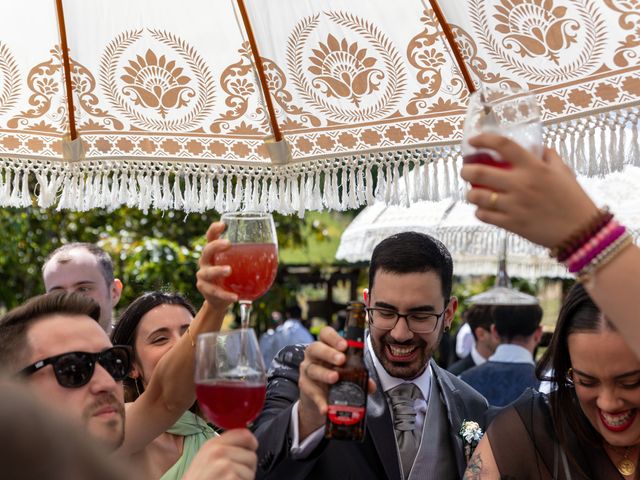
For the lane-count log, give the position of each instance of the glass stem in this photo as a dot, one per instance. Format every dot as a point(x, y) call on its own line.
point(245, 313)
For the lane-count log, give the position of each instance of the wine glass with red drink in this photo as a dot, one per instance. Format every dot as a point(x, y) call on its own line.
point(230, 377)
point(510, 112)
point(253, 257)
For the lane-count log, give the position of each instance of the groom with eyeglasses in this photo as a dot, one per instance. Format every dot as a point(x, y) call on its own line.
point(415, 409)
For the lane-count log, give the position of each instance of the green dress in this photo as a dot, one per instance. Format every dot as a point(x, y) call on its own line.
point(195, 432)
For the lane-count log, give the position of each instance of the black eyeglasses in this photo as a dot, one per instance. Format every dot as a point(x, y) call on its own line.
point(418, 322)
point(75, 369)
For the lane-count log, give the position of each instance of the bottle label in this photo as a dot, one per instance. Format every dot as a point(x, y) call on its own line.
point(355, 343)
point(345, 415)
point(346, 403)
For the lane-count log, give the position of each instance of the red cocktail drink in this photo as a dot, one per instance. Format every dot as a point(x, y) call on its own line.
point(484, 158)
point(253, 268)
point(231, 404)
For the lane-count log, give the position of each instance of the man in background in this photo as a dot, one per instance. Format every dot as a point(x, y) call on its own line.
point(86, 269)
point(291, 332)
point(511, 369)
point(480, 319)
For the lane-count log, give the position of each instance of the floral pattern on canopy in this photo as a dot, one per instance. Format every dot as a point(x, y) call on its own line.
point(170, 111)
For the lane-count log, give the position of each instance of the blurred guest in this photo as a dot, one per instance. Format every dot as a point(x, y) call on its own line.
point(464, 340)
point(480, 319)
point(511, 369)
point(268, 338)
point(37, 444)
point(291, 332)
point(340, 321)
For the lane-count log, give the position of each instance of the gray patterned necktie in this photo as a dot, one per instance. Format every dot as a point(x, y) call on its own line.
point(404, 422)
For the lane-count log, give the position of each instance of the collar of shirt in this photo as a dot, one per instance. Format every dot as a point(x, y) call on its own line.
point(423, 382)
point(510, 353)
point(476, 357)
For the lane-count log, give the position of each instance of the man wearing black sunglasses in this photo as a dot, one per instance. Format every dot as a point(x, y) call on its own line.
point(70, 361)
point(55, 344)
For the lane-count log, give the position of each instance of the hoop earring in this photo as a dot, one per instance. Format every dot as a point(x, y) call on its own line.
point(569, 377)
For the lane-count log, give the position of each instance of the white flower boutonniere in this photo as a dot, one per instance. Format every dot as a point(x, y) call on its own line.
point(471, 434)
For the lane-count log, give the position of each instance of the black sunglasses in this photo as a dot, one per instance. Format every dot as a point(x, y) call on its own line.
point(75, 369)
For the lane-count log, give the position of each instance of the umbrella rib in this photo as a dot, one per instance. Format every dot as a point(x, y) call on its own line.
point(448, 33)
point(66, 65)
point(277, 134)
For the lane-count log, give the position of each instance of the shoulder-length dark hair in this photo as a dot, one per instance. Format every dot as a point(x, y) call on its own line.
point(578, 314)
point(125, 330)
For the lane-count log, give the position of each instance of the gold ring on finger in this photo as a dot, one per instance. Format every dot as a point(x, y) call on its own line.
point(493, 199)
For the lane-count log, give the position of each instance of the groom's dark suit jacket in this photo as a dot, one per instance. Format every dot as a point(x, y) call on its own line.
point(376, 457)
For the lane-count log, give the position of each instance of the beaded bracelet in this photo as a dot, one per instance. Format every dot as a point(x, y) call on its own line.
point(605, 237)
point(569, 246)
point(605, 257)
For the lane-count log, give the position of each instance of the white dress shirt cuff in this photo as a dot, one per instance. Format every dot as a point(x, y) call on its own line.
point(300, 451)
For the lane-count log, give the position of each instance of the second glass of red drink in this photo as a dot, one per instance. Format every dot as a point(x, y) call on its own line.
point(230, 377)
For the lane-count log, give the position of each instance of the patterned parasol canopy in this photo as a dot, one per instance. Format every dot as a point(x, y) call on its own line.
point(476, 247)
point(286, 106)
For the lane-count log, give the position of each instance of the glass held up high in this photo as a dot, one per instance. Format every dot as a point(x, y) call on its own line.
point(253, 257)
point(512, 113)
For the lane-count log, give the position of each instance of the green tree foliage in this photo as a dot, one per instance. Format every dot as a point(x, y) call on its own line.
point(151, 251)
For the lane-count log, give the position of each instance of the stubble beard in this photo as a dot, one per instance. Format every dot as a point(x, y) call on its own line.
point(411, 370)
point(111, 433)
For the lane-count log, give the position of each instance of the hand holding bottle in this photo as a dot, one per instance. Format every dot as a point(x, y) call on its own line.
point(316, 374)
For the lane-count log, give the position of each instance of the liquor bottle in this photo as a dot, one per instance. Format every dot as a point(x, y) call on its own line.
point(347, 400)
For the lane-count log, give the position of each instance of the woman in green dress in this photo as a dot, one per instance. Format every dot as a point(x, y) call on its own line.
point(152, 324)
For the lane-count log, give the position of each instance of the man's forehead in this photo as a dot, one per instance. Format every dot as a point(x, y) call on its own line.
point(61, 333)
point(420, 288)
point(73, 267)
point(428, 279)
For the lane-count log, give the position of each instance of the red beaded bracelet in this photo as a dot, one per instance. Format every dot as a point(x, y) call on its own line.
point(568, 247)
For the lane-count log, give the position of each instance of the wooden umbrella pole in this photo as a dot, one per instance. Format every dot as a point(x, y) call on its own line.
point(448, 33)
point(66, 65)
point(277, 134)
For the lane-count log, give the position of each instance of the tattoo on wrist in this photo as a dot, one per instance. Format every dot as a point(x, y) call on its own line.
point(474, 468)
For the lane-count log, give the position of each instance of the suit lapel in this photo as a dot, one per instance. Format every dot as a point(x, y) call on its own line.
point(380, 426)
point(454, 405)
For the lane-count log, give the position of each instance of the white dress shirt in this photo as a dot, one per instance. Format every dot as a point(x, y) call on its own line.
point(510, 353)
point(423, 382)
point(476, 357)
point(464, 341)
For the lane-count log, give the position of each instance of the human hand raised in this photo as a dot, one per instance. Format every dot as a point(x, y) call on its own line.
point(316, 375)
point(209, 275)
point(231, 456)
point(540, 200)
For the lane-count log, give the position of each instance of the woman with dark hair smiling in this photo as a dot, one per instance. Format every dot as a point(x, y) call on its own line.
point(588, 428)
point(152, 324)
